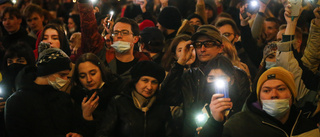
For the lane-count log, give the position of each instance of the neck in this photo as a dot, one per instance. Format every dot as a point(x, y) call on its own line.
point(41, 81)
point(125, 57)
point(14, 31)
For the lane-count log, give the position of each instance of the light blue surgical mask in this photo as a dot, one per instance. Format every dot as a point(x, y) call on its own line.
point(276, 107)
point(270, 64)
point(121, 46)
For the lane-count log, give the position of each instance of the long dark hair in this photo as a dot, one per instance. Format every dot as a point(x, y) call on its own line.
point(64, 44)
point(106, 74)
point(169, 56)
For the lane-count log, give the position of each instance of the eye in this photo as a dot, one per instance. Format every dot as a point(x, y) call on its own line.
point(265, 90)
point(45, 37)
point(93, 73)
point(82, 76)
point(155, 82)
point(282, 88)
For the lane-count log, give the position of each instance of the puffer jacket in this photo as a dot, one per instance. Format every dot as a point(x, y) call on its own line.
point(124, 119)
point(189, 88)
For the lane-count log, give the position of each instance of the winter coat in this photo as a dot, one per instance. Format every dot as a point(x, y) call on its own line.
point(254, 122)
point(189, 88)
point(124, 119)
point(39, 110)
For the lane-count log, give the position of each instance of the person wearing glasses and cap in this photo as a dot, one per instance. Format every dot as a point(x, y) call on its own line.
point(188, 87)
point(121, 57)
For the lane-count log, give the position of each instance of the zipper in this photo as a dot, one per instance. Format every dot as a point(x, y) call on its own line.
point(276, 127)
point(295, 123)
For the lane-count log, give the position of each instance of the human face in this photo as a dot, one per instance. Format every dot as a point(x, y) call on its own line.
point(61, 74)
point(18, 60)
point(195, 21)
point(205, 54)
point(179, 50)
point(209, 13)
point(279, 35)
point(11, 23)
point(270, 30)
point(89, 75)
point(217, 73)
point(71, 24)
point(127, 38)
point(275, 89)
point(51, 36)
point(271, 57)
point(227, 31)
point(147, 86)
point(35, 22)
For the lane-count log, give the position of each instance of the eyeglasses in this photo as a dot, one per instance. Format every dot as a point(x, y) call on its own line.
point(122, 33)
point(227, 34)
point(207, 44)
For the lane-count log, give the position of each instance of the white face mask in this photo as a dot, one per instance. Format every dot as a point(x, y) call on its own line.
point(276, 108)
point(58, 83)
point(121, 46)
point(71, 30)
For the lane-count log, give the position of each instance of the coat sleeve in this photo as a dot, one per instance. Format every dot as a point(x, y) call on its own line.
point(91, 39)
point(311, 56)
point(257, 25)
point(212, 128)
point(108, 126)
point(286, 59)
point(16, 116)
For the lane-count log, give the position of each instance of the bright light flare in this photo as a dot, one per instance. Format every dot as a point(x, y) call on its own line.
point(201, 117)
point(220, 83)
point(254, 3)
point(14, 1)
point(93, 1)
point(74, 1)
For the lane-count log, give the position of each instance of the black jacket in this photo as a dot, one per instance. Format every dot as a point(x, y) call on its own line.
point(20, 36)
point(39, 110)
point(189, 88)
point(123, 119)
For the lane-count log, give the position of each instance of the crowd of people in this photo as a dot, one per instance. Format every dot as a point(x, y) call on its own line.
point(159, 68)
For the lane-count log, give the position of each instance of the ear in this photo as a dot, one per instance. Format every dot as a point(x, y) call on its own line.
point(135, 39)
point(42, 18)
point(221, 48)
point(19, 20)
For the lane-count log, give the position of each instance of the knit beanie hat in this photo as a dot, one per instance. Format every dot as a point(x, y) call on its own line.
point(207, 30)
point(170, 18)
point(146, 23)
point(195, 16)
point(277, 73)
point(52, 60)
point(153, 38)
point(269, 49)
point(147, 68)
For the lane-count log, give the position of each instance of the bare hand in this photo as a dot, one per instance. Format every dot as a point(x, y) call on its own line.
point(316, 13)
point(96, 10)
point(71, 134)
point(263, 6)
point(244, 22)
point(105, 24)
point(287, 14)
point(89, 106)
point(186, 53)
point(219, 105)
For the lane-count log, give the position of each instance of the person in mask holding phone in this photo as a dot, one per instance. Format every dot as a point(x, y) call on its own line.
point(39, 108)
point(121, 57)
point(270, 111)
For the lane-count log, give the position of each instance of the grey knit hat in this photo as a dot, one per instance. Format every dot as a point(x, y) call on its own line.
point(207, 30)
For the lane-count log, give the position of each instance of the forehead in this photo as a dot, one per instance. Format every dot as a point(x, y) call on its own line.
point(226, 28)
point(50, 31)
point(85, 66)
point(122, 26)
point(194, 19)
point(34, 15)
point(270, 23)
point(148, 77)
point(273, 83)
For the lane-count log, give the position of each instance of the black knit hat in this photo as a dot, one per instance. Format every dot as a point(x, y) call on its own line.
point(153, 38)
point(195, 16)
point(147, 68)
point(170, 18)
point(52, 60)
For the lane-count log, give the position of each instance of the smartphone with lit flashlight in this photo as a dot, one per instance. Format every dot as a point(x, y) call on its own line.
point(109, 19)
point(295, 7)
point(221, 86)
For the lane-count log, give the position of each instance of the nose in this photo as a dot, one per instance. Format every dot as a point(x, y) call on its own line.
point(202, 48)
point(89, 79)
point(274, 94)
point(148, 86)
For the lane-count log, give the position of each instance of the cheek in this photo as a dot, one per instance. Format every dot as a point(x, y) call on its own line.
point(56, 44)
